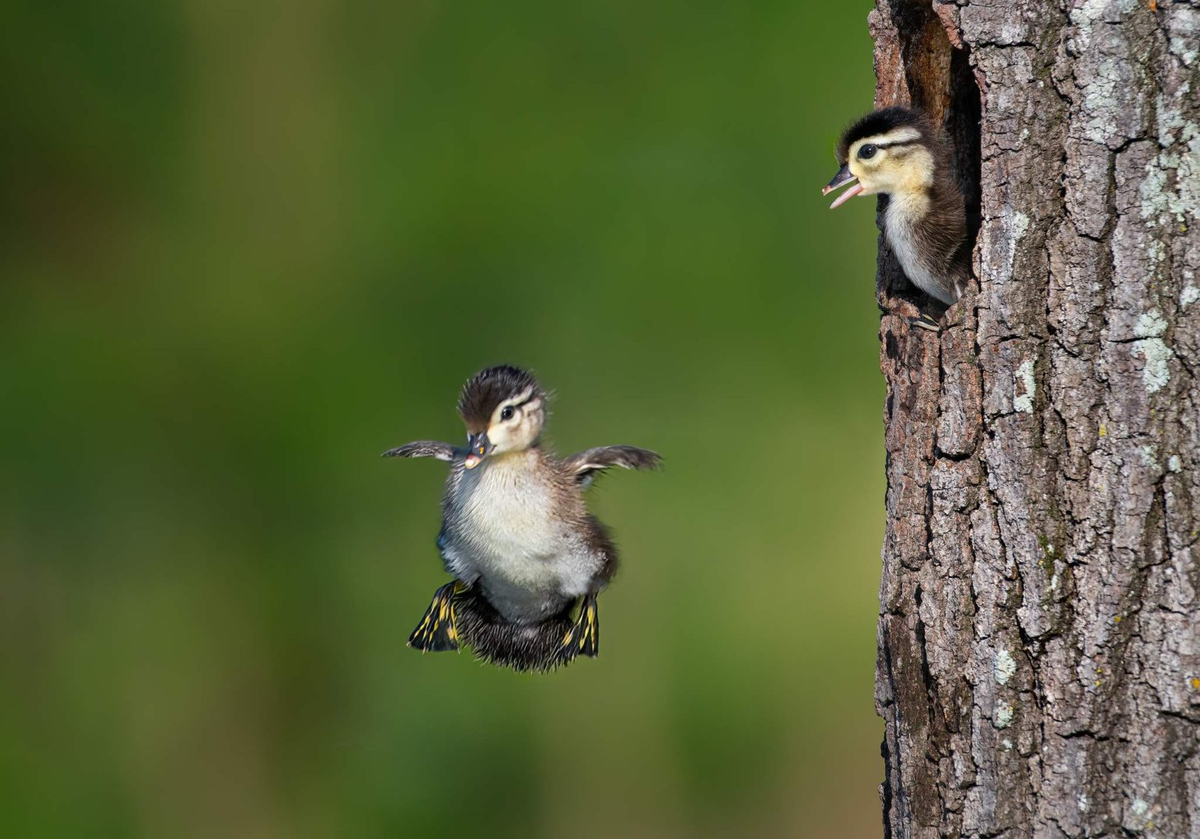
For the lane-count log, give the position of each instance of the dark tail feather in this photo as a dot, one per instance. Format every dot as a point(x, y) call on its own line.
point(522, 647)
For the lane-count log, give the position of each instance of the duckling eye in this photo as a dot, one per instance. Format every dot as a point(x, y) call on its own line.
point(867, 152)
point(507, 413)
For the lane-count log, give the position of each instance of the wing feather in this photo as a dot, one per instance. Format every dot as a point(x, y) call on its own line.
point(426, 448)
point(586, 465)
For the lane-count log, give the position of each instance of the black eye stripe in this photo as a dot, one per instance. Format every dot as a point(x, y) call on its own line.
point(514, 406)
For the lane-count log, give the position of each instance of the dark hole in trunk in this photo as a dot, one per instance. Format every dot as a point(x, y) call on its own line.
point(940, 83)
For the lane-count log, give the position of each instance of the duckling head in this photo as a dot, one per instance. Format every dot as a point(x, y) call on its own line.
point(888, 151)
point(504, 409)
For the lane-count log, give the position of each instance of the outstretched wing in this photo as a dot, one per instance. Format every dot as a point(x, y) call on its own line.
point(588, 464)
point(427, 448)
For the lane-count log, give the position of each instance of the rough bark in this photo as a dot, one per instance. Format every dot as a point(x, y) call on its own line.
point(1039, 630)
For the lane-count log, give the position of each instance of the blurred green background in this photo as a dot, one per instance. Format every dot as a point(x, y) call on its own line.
point(246, 248)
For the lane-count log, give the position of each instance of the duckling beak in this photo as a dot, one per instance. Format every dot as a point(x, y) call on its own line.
point(478, 447)
point(843, 177)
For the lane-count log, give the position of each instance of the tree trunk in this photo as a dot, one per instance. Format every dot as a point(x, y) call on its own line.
point(1039, 629)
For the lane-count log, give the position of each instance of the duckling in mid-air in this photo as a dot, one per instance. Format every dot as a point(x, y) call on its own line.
point(516, 533)
point(897, 152)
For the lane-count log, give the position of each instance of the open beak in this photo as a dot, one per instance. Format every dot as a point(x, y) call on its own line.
point(843, 177)
point(478, 447)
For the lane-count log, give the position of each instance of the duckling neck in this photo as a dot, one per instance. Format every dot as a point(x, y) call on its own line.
point(529, 458)
point(909, 206)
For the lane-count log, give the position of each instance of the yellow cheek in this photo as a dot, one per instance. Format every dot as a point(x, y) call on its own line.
point(867, 176)
point(912, 173)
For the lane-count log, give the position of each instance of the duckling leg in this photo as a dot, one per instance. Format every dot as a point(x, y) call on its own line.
point(584, 637)
point(925, 321)
point(438, 629)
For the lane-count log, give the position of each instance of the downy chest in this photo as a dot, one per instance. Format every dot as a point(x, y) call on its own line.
point(904, 236)
point(506, 508)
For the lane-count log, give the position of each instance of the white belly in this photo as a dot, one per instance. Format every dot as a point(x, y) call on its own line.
point(919, 272)
point(510, 532)
point(505, 534)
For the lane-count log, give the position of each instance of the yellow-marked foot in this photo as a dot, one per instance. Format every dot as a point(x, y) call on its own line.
point(438, 630)
point(584, 637)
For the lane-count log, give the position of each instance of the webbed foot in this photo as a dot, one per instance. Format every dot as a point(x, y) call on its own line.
point(583, 638)
point(438, 629)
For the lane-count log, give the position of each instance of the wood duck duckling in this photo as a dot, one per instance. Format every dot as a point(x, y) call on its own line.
point(516, 533)
point(898, 153)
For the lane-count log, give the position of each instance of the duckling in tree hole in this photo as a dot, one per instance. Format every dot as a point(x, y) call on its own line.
point(516, 533)
point(897, 152)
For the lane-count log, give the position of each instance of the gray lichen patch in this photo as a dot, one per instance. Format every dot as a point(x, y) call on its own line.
point(1153, 351)
point(1004, 667)
point(1002, 717)
point(1170, 189)
point(1018, 226)
point(1150, 458)
point(1025, 387)
point(1156, 357)
point(1184, 38)
point(1150, 325)
point(1138, 816)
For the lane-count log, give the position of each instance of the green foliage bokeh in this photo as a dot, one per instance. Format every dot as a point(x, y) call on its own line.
point(246, 249)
